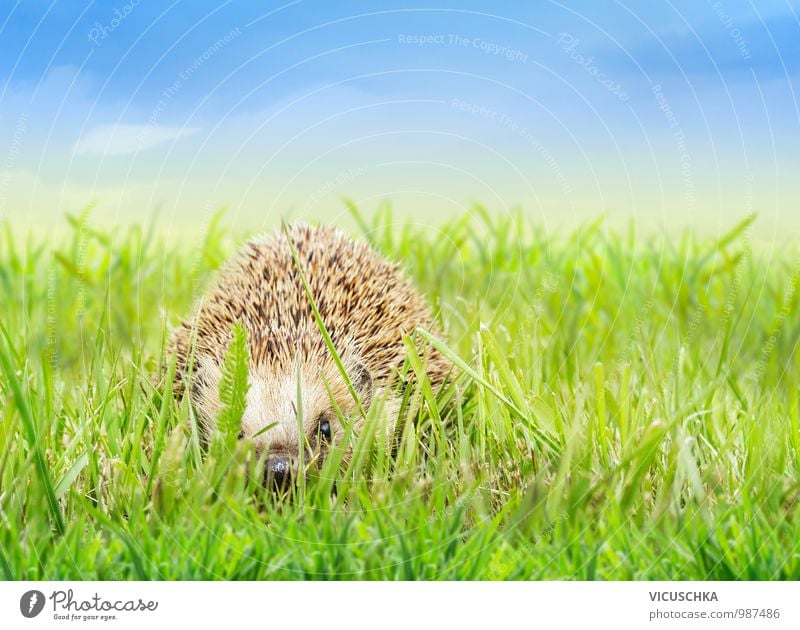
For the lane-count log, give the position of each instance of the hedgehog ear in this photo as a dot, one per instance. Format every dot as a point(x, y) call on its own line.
point(362, 381)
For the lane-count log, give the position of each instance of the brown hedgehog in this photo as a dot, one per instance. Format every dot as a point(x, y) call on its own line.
point(367, 307)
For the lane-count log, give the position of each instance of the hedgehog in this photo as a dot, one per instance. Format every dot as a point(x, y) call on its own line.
point(368, 308)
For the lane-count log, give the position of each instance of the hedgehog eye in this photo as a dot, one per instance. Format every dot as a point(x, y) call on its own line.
point(325, 429)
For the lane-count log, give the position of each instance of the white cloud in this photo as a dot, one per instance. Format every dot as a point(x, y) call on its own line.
point(126, 139)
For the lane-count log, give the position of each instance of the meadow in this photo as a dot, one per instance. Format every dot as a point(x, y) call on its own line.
point(626, 407)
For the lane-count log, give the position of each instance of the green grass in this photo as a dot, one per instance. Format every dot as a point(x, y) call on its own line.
point(626, 409)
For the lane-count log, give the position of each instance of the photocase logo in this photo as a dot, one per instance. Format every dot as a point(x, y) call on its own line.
point(31, 604)
point(67, 606)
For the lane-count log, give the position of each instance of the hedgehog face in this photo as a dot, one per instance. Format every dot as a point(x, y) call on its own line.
point(289, 410)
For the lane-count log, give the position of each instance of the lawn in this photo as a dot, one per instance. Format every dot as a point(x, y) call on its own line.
point(626, 408)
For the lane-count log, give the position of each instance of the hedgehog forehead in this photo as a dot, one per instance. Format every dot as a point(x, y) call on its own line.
point(316, 374)
point(279, 399)
point(277, 404)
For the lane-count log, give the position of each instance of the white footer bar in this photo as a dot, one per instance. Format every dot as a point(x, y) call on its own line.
point(407, 605)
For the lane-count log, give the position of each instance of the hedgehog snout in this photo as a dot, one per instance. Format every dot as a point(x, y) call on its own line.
point(280, 471)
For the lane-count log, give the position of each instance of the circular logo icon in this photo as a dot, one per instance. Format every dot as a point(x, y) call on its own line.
point(31, 604)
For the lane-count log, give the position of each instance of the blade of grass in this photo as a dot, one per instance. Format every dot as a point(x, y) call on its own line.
point(33, 442)
point(550, 441)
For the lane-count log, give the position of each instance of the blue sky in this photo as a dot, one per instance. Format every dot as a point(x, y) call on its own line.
point(675, 113)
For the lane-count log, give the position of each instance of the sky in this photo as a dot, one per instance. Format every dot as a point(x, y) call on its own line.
point(674, 114)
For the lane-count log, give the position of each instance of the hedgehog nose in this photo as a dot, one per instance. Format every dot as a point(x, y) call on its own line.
point(279, 471)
